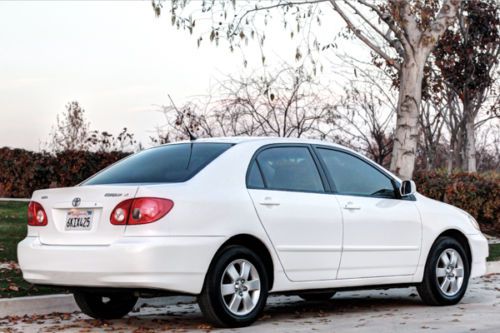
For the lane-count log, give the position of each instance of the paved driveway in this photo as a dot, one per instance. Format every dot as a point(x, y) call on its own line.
point(398, 310)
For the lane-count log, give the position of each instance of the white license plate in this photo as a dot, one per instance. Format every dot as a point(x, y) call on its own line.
point(79, 219)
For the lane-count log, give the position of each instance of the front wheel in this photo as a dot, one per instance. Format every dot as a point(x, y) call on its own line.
point(446, 273)
point(235, 289)
point(100, 305)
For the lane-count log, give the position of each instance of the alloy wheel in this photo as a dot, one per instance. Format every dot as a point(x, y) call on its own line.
point(240, 287)
point(450, 272)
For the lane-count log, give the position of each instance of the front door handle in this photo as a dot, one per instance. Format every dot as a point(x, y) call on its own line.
point(351, 206)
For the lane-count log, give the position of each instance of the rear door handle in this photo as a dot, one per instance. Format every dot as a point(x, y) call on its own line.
point(268, 201)
point(351, 206)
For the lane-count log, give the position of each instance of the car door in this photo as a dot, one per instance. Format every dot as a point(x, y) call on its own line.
point(303, 222)
point(382, 231)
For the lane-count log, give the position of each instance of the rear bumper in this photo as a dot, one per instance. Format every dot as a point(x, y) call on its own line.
point(176, 264)
point(480, 251)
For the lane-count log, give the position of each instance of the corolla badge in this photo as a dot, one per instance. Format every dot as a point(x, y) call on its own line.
point(76, 202)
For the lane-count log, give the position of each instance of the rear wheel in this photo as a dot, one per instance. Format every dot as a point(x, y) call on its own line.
point(100, 305)
point(235, 289)
point(316, 297)
point(446, 273)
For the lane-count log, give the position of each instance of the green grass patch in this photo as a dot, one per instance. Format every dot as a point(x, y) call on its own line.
point(13, 219)
point(13, 228)
point(494, 252)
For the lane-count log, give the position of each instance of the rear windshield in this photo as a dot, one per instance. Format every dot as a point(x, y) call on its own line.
point(166, 164)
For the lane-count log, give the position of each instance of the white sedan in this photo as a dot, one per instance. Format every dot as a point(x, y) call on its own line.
point(234, 219)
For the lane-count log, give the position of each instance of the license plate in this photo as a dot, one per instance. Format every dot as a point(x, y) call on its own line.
point(79, 219)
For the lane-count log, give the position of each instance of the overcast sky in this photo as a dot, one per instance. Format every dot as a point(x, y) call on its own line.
point(116, 58)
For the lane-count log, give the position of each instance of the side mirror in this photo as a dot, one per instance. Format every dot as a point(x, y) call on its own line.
point(407, 188)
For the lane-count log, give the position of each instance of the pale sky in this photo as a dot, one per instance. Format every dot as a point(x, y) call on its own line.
point(116, 58)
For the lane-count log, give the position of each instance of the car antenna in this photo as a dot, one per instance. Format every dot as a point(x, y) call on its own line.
point(192, 137)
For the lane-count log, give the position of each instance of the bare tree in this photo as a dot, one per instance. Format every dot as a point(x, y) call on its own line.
point(288, 103)
point(401, 32)
point(467, 56)
point(365, 114)
point(488, 148)
point(412, 31)
point(107, 142)
point(432, 121)
point(71, 130)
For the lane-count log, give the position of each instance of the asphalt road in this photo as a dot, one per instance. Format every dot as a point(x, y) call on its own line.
point(397, 310)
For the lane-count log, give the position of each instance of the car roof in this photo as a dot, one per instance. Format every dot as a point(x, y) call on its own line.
point(265, 140)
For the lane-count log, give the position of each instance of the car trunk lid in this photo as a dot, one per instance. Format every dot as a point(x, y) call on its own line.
point(81, 215)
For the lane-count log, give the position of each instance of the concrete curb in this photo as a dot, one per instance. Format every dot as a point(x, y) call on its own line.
point(46, 304)
point(37, 305)
point(65, 303)
point(493, 267)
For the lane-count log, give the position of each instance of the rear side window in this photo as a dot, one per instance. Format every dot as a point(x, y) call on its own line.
point(289, 168)
point(166, 164)
point(255, 177)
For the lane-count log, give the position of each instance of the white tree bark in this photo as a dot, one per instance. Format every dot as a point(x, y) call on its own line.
point(470, 146)
point(418, 45)
point(414, 45)
point(406, 136)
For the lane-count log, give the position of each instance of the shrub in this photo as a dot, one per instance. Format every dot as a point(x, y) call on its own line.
point(476, 193)
point(22, 171)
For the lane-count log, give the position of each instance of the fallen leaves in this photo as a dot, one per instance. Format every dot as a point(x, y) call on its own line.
point(13, 287)
point(9, 265)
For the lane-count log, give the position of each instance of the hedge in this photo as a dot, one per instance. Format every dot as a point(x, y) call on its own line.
point(22, 172)
point(476, 193)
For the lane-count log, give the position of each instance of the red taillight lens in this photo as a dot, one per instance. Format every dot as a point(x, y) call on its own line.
point(36, 215)
point(140, 211)
point(119, 215)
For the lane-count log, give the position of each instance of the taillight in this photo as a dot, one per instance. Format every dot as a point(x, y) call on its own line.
point(36, 215)
point(120, 214)
point(140, 211)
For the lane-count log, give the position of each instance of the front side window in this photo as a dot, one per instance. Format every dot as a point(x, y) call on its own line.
point(165, 164)
point(289, 168)
point(353, 176)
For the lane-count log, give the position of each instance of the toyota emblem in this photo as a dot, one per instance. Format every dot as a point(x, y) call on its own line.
point(76, 202)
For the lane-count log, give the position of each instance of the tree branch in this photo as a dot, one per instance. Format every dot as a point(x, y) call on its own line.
point(445, 17)
point(363, 38)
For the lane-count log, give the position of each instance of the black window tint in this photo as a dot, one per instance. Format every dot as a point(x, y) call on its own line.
point(353, 176)
point(290, 168)
point(255, 177)
point(165, 164)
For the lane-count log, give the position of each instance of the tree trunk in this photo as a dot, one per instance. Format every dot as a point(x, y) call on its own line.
point(470, 145)
point(406, 137)
point(452, 153)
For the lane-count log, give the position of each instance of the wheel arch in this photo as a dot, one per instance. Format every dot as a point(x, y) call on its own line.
point(460, 237)
point(255, 244)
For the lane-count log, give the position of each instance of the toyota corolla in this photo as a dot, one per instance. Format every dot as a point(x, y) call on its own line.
point(232, 220)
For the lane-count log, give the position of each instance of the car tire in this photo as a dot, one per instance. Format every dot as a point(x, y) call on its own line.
point(235, 289)
point(99, 305)
point(317, 297)
point(446, 274)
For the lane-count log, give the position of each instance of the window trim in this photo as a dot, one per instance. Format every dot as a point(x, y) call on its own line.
point(322, 176)
point(394, 182)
